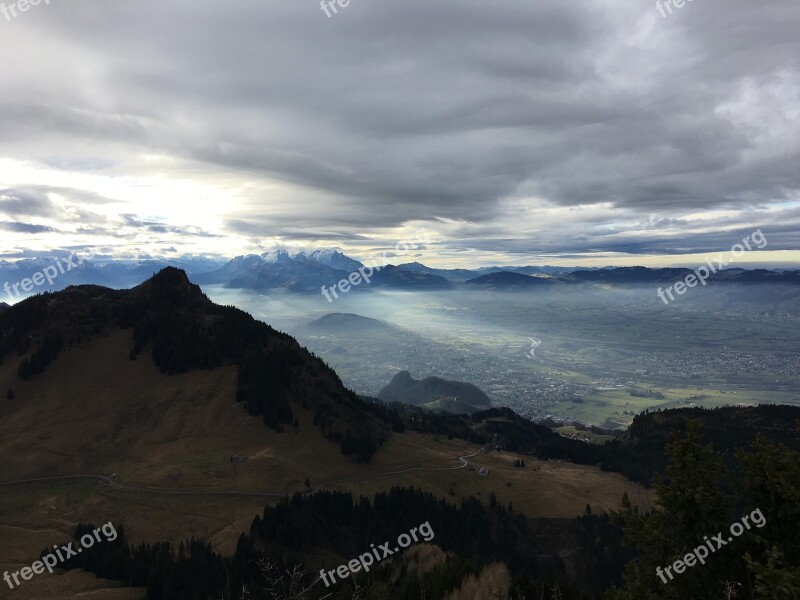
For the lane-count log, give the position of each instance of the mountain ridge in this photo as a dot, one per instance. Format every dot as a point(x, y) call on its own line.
point(308, 272)
point(183, 330)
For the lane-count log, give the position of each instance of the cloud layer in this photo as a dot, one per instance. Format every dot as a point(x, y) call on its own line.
point(511, 129)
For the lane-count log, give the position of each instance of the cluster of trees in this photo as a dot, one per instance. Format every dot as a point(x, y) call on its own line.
point(414, 418)
point(38, 361)
point(355, 435)
point(701, 497)
point(264, 383)
point(184, 338)
point(71, 315)
point(181, 341)
point(639, 455)
point(18, 322)
point(193, 571)
point(698, 498)
point(472, 535)
point(187, 331)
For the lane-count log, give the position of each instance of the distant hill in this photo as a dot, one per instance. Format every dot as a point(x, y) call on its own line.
point(758, 276)
point(509, 280)
point(4, 306)
point(435, 393)
point(643, 275)
point(395, 277)
point(545, 270)
point(462, 275)
point(628, 275)
point(455, 275)
point(348, 324)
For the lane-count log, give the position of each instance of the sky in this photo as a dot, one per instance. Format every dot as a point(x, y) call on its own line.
point(580, 132)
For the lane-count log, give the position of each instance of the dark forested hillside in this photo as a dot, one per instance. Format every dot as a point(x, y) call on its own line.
point(295, 532)
point(638, 453)
point(174, 324)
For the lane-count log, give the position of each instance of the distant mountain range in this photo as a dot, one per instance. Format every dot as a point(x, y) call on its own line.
point(463, 275)
point(309, 272)
point(638, 275)
point(511, 280)
point(116, 274)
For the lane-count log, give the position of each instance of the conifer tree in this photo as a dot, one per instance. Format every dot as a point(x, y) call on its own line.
point(690, 505)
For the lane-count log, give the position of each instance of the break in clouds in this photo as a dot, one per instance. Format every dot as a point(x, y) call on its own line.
point(514, 130)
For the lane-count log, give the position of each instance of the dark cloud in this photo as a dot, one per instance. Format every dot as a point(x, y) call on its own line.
point(17, 227)
point(15, 203)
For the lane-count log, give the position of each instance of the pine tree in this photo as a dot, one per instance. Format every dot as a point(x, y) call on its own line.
point(770, 481)
point(759, 563)
point(690, 506)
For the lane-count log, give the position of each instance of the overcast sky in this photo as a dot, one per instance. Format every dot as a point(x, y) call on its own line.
point(512, 131)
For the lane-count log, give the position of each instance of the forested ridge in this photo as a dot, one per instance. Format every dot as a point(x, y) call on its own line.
point(637, 453)
point(295, 531)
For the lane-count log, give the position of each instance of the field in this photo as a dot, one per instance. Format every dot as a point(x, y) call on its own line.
point(581, 434)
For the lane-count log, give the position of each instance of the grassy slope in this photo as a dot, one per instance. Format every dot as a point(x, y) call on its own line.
point(96, 412)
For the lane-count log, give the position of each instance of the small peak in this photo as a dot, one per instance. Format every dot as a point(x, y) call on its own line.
point(403, 376)
point(172, 277)
point(173, 285)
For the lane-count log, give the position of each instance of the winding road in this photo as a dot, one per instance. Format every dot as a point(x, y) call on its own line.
point(113, 483)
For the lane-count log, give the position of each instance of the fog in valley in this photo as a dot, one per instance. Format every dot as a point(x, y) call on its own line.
point(577, 353)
